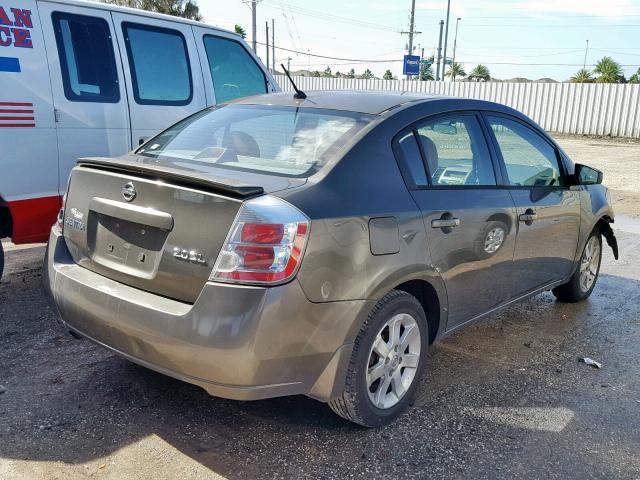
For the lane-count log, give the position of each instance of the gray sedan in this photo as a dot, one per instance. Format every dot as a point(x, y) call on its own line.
point(282, 245)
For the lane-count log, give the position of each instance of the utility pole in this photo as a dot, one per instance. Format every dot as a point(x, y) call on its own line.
point(411, 24)
point(288, 64)
point(439, 52)
point(584, 66)
point(455, 43)
point(267, 43)
point(446, 37)
point(273, 45)
point(412, 33)
point(421, 64)
point(254, 4)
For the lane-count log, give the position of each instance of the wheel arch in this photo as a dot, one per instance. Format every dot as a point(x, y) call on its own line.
point(428, 297)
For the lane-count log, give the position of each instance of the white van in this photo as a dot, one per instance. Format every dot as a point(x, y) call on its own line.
point(80, 78)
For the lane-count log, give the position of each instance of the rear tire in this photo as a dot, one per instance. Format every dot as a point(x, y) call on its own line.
point(1, 259)
point(584, 279)
point(383, 373)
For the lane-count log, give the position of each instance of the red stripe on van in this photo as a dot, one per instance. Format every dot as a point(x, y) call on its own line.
point(17, 125)
point(16, 111)
point(16, 104)
point(16, 118)
point(33, 218)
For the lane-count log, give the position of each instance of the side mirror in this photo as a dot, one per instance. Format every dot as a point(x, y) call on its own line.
point(587, 176)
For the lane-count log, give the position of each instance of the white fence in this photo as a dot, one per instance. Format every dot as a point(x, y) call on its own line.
point(578, 108)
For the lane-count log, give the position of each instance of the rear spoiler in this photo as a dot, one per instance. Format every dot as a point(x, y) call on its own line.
point(190, 178)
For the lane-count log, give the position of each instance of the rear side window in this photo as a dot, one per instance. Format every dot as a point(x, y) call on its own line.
point(234, 72)
point(87, 60)
point(456, 151)
point(159, 62)
point(410, 153)
point(529, 159)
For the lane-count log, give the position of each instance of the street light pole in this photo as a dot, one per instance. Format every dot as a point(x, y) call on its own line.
point(439, 52)
point(254, 4)
point(584, 66)
point(455, 43)
point(446, 38)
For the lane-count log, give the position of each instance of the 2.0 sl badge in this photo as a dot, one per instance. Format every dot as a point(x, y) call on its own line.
point(190, 256)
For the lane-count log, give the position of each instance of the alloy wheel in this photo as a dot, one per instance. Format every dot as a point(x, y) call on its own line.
point(393, 361)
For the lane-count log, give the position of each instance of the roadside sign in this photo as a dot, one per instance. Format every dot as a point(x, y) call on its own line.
point(427, 62)
point(448, 61)
point(411, 65)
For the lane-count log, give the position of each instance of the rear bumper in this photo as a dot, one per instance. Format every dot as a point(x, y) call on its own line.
point(236, 342)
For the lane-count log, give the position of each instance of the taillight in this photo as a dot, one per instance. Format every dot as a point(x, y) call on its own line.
point(60, 220)
point(265, 244)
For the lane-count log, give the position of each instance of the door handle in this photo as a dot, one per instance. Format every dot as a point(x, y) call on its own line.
point(445, 223)
point(528, 216)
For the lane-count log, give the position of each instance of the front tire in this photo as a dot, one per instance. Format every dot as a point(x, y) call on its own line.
point(584, 279)
point(387, 362)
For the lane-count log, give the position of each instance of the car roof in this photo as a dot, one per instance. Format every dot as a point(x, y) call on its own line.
point(369, 102)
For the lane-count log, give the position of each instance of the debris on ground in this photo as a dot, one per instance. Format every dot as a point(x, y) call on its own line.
point(2, 389)
point(591, 361)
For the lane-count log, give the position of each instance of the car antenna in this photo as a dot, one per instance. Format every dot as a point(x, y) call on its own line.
point(299, 93)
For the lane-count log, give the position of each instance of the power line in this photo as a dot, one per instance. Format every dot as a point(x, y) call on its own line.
point(329, 16)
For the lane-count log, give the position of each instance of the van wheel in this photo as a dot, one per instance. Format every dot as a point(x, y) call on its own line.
point(387, 362)
point(584, 279)
point(1, 259)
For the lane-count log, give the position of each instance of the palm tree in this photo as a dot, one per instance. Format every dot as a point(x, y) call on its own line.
point(582, 76)
point(635, 78)
point(456, 70)
point(367, 74)
point(609, 71)
point(480, 74)
point(351, 74)
point(240, 31)
point(427, 74)
point(179, 8)
point(387, 75)
point(327, 72)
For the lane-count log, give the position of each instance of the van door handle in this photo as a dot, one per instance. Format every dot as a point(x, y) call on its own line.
point(445, 223)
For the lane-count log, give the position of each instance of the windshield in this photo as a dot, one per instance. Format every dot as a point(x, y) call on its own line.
point(282, 141)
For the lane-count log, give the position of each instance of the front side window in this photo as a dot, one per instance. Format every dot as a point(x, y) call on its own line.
point(529, 159)
point(278, 141)
point(234, 73)
point(456, 151)
point(159, 62)
point(87, 60)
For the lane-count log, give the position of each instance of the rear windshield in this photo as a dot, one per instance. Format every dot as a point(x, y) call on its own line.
point(283, 141)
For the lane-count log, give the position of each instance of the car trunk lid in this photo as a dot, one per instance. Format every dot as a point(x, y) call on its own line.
point(154, 227)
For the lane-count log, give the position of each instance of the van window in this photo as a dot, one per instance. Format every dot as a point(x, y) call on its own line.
point(87, 61)
point(234, 72)
point(159, 62)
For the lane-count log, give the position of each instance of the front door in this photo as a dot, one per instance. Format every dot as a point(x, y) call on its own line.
point(91, 116)
point(548, 211)
point(470, 220)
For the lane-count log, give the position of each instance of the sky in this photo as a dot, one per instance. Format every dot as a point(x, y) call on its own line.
point(518, 38)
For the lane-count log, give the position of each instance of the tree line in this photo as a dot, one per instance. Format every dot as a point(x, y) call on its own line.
point(607, 70)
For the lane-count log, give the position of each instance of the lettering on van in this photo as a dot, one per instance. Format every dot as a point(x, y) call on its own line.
point(15, 27)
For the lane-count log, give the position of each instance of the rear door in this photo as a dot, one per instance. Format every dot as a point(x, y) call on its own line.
point(229, 68)
point(468, 216)
point(548, 210)
point(86, 79)
point(162, 68)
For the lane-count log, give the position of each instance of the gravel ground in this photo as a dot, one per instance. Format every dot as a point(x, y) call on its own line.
point(504, 399)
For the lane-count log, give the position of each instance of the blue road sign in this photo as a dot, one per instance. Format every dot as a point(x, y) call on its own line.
point(411, 65)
